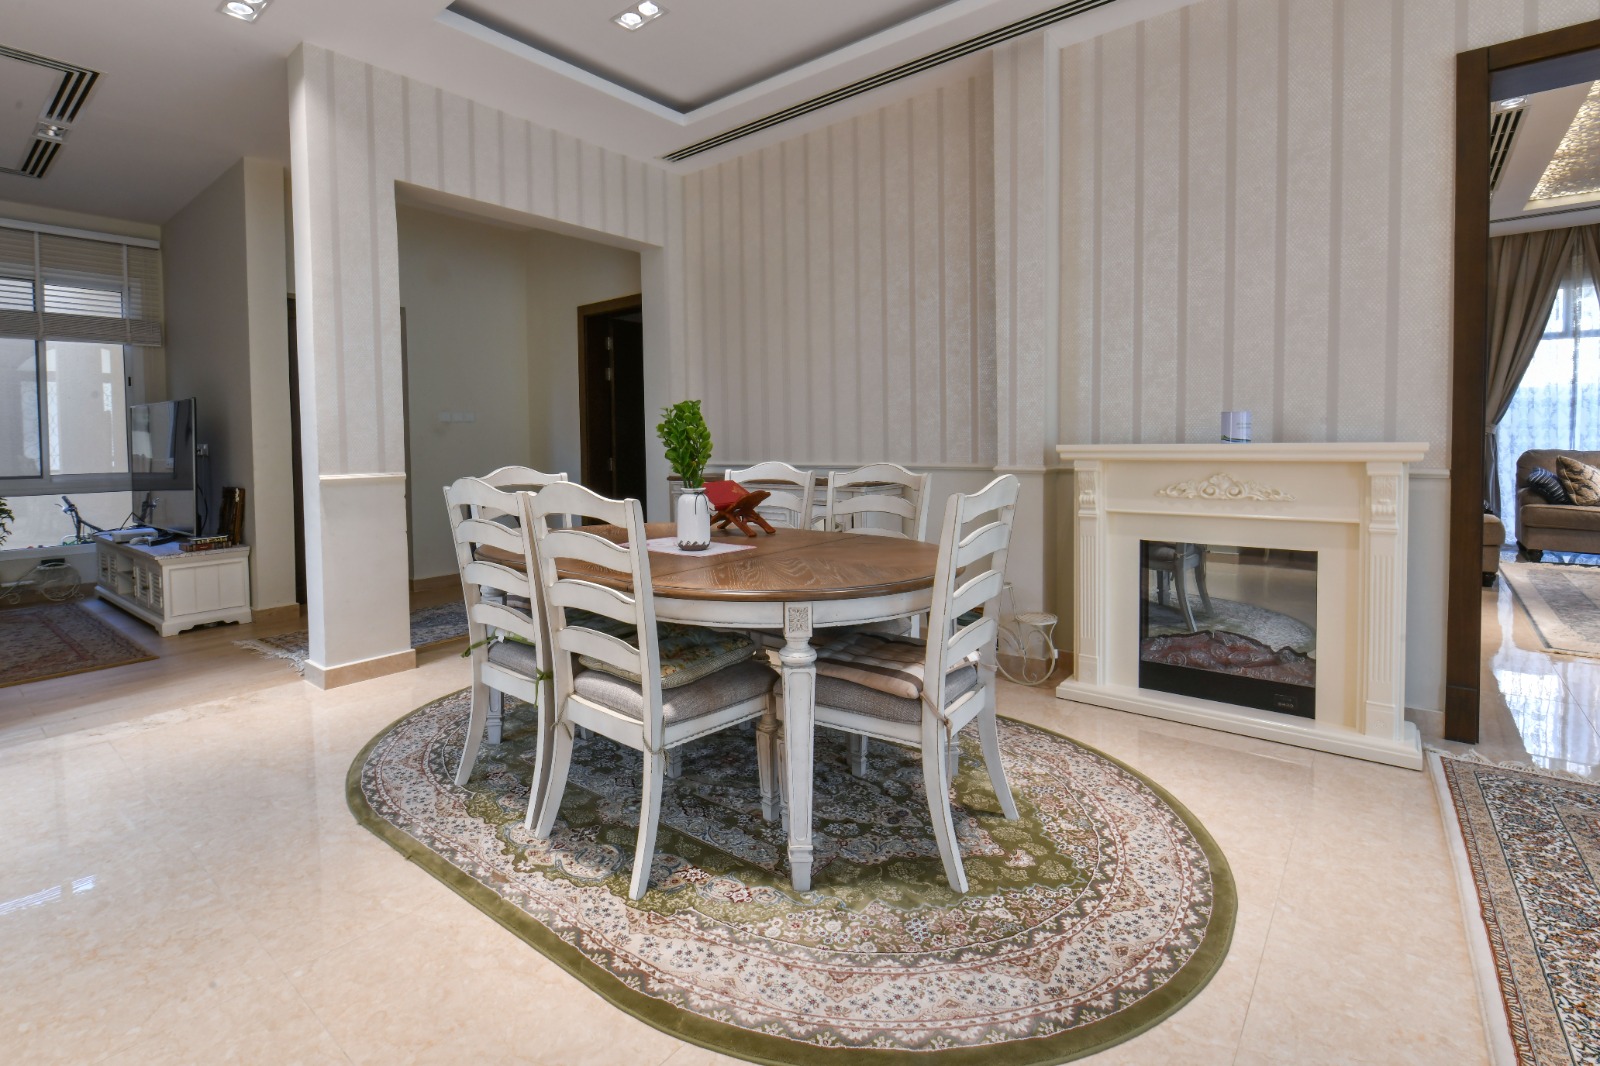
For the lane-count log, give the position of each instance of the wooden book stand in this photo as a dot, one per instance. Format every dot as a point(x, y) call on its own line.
point(736, 505)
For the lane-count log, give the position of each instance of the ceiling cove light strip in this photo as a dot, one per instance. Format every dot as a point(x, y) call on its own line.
point(893, 74)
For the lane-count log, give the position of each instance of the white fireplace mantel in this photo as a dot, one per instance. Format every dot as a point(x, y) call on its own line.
point(1348, 502)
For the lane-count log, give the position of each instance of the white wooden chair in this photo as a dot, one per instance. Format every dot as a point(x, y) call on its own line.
point(793, 492)
point(500, 602)
point(525, 478)
point(970, 573)
point(881, 500)
point(856, 497)
point(637, 715)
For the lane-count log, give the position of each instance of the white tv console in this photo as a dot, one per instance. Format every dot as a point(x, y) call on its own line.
point(171, 589)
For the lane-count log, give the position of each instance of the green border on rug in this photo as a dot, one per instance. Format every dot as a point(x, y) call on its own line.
point(777, 1051)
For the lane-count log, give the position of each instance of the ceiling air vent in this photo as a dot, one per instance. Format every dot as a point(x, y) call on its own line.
point(39, 101)
point(1502, 131)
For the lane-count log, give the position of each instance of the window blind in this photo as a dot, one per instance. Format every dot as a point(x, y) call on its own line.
point(74, 288)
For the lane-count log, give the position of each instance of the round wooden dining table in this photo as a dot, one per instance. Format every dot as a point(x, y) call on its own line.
point(794, 581)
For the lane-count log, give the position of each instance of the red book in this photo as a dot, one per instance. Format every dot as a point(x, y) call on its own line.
point(723, 494)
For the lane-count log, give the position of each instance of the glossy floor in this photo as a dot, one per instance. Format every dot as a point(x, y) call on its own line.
point(183, 883)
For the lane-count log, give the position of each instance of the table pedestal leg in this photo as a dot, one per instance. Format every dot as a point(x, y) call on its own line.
point(766, 752)
point(799, 696)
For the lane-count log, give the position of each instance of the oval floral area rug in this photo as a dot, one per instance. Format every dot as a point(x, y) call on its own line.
point(1098, 913)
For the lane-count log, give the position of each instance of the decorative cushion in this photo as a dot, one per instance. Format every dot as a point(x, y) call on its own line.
point(694, 700)
point(688, 653)
point(1581, 480)
point(1545, 484)
point(891, 665)
point(848, 696)
point(515, 655)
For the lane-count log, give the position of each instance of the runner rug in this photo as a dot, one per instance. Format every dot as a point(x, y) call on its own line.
point(1097, 914)
point(429, 626)
point(58, 639)
point(1527, 851)
point(1562, 601)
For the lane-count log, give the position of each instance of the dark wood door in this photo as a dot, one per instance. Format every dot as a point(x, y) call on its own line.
point(611, 397)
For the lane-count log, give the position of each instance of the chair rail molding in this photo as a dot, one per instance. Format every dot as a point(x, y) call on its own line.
point(1347, 503)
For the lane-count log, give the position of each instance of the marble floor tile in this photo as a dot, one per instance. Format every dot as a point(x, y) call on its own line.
point(183, 881)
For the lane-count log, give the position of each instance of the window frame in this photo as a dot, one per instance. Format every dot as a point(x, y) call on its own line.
point(45, 483)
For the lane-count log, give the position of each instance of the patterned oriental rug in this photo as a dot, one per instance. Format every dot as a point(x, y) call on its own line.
point(429, 626)
point(1527, 851)
point(1562, 600)
point(58, 639)
point(1097, 914)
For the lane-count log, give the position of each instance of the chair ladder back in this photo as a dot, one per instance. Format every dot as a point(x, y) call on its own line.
point(473, 507)
point(909, 506)
point(521, 478)
point(486, 574)
point(792, 491)
point(628, 561)
point(964, 582)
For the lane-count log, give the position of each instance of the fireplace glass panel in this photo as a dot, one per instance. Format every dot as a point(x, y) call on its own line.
point(1229, 623)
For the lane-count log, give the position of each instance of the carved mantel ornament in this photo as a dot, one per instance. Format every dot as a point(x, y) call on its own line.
point(1223, 487)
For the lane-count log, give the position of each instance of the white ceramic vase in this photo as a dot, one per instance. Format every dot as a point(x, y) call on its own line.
point(694, 521)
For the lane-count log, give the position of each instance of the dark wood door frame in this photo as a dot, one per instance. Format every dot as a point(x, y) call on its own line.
point(620, 305)
point(1463, 614)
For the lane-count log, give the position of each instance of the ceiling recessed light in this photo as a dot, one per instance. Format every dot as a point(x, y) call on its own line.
point(51, 131)
point(243, 10)
point(1510, 104)
point(638, 15)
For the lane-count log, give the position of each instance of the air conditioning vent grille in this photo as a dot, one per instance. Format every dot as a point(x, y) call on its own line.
point(57, 113)
point(1503, 127)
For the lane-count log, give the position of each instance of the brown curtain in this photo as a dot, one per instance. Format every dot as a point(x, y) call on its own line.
point(1588, 238)
point(1525, 273)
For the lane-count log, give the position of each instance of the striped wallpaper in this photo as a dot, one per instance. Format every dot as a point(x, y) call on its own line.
point(839, 289)
point(357, 131)
point(1256, 213)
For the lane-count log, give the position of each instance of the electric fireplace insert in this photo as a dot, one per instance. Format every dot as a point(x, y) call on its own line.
point(1229, 623)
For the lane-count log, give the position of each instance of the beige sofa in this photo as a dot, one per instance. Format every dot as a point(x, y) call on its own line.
point(1556, 527)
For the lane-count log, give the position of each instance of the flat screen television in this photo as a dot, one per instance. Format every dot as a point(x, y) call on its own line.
point(161, 457)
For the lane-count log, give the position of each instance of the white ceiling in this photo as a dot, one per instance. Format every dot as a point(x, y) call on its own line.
point(1555, 137)
point(186, 91)
point(750, 41)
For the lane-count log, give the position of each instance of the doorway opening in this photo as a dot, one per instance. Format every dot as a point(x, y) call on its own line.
point(1516, 104)
point(611, 396)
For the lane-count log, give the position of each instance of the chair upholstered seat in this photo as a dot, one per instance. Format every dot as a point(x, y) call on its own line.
point(849, 696)
point(728, 686)
point(515, 656)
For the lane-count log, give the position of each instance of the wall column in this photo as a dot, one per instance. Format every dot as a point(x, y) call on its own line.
point(351, 410)
point(1025, 153)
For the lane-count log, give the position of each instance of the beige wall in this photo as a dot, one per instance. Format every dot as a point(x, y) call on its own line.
point(227, 345)
point(492, 331)
point(463, 286)
point(840, 306)
point(565, 273)
point(356, 132)
point(1255, 201)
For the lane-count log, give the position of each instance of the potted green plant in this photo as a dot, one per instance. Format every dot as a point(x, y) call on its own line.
point(6, 518)
point(687, 439)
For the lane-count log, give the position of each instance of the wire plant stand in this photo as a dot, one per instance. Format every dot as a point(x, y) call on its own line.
point(55, 579)
point(1027, 640)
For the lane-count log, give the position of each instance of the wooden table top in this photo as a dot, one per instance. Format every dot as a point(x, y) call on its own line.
point(790, 565)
